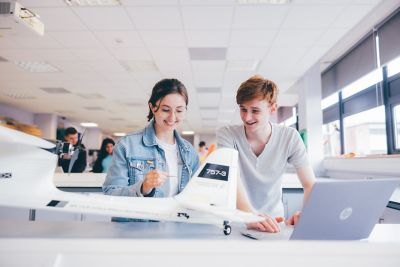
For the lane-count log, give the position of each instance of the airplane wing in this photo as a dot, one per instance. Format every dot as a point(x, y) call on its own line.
point(228, 214)
point(14, 136)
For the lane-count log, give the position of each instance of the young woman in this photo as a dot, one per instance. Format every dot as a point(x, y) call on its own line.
point(156, 161)
point(265, 149)
point(104, 158)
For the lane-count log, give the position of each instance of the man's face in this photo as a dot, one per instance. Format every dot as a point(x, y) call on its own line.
point(256, 113)
point(72, 138)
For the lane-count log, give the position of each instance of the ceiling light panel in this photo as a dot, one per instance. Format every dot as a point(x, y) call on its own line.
point(91, 96)
point(93, 2)
point(94, 108)
point(55, 90)
point(134, 66)
point(207, 53)
point(208, 90)
point(41, 67)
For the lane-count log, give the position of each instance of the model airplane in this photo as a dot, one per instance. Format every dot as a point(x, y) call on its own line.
point(26, 180)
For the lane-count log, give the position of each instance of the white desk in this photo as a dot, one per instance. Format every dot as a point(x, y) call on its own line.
point(177, 244)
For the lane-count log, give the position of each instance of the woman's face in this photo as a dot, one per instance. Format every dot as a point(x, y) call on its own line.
point(109, 148)
point(256, 113)
point(169, 112)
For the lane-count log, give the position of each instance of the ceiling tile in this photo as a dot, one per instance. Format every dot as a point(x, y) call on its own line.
point(149, 2)
point(203, 18)
point(351, 15)
point(59, 19)
point(169, 53)
point(92, 54)
point(311, 17)
point(259, 16)
point(251, 38)
point(208, 65)
point(301, 37)
point(163, 38)
point(131, 53)
point(246, 53)
point(118, 39)
point(207, 38)
point(104, 18)
point(79, 39)
point(153, 18)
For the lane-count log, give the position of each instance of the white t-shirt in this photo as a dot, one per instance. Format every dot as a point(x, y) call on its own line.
point(170, 186)
point(262, 175)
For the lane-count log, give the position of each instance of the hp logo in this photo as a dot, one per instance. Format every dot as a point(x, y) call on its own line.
point(346, 213)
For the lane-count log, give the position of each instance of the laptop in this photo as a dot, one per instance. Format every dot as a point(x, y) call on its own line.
point(337, 210)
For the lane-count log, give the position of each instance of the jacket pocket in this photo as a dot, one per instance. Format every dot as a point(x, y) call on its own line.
point(138, 168)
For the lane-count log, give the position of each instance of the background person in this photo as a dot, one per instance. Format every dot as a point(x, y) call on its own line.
point(72, 137)
point(104, 157)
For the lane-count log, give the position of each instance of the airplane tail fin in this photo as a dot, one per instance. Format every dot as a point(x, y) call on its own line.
point(21, 162)
point(215, 183)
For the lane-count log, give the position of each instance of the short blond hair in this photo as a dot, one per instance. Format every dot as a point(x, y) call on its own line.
point(257, 87)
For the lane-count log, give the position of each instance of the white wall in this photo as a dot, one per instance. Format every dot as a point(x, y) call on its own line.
point(20, 115)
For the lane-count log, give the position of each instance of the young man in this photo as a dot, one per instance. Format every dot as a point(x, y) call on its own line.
point(265, 149)
point(71, 136)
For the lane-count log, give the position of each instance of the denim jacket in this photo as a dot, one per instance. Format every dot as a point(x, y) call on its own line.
point(138, 153)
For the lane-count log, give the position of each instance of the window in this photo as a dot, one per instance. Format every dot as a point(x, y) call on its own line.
point(393, 67)
point(363, 83)
point(396, 122)
point(331, 139)
point(365, 132)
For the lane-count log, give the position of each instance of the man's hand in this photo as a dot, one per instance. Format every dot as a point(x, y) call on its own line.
point(268, 225)
point(294, 219)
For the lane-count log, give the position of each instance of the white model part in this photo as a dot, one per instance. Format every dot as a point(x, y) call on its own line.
point(26, 180)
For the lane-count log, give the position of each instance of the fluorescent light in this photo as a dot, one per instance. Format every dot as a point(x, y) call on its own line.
point(139, 65)
point(119, 134)
point(93, 2)
point(89, 124)
point(188, 132)
point(36, 66)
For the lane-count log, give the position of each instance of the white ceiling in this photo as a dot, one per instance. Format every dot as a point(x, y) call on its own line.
point(96, 50)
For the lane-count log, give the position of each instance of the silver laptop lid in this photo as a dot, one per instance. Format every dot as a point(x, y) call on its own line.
point(344, 209)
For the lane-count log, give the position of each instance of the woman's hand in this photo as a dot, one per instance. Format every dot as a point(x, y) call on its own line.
point(268, 225)
point(153, 179)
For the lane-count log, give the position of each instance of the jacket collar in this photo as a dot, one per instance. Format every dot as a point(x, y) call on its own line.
point(149, 137)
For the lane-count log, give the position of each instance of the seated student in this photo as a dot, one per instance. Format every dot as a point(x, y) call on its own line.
point(156, 161)
point(202, 152)
point(265, 149)
point(71, 136)
point(104, 158)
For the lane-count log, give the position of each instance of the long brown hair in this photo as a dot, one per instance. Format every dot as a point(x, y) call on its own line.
point(163, 88)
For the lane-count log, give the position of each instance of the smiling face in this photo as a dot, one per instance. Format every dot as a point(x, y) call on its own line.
point(256, 114)
point(169, 112)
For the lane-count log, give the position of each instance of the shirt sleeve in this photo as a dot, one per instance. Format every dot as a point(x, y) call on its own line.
point(117, 180)
point(297, 151)
point(225, 138)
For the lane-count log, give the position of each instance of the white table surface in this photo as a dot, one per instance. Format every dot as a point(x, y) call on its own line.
point(177, 244)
